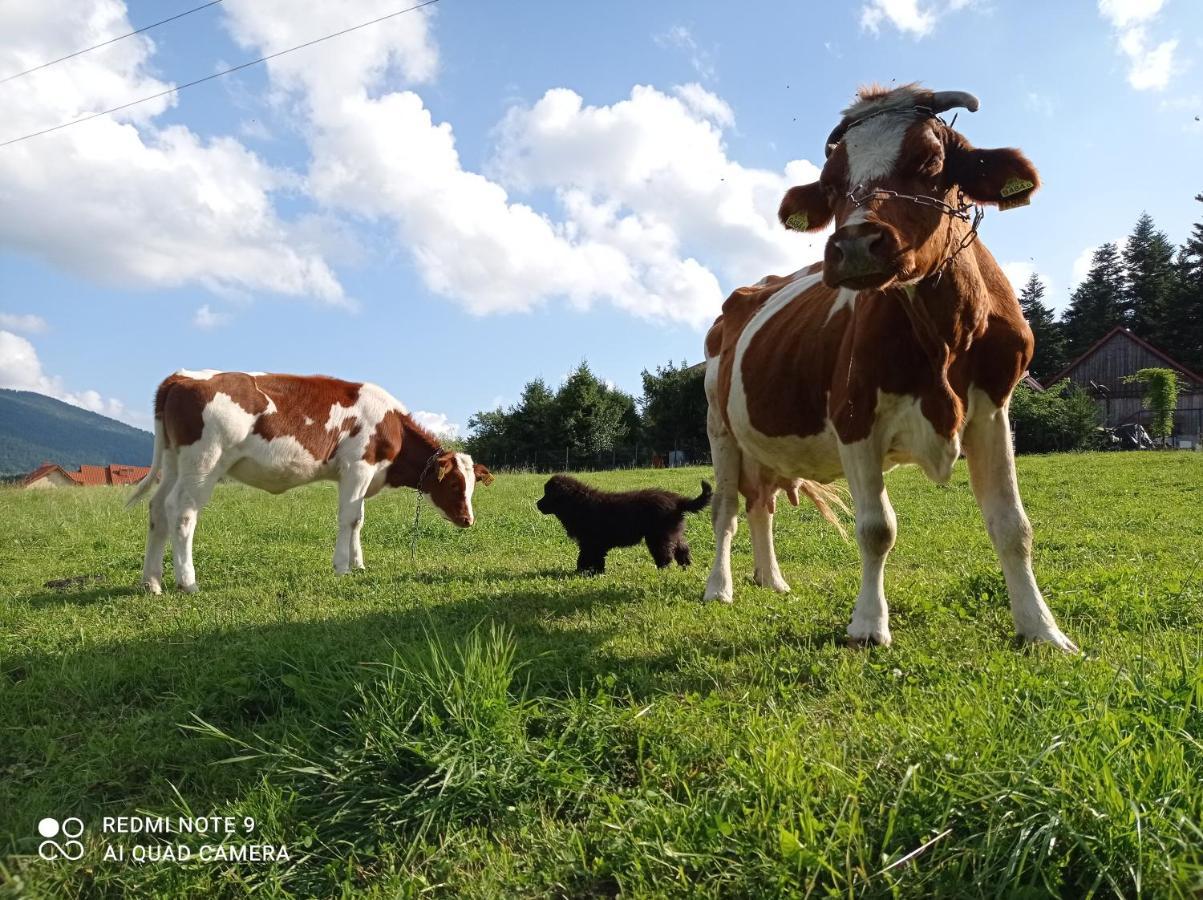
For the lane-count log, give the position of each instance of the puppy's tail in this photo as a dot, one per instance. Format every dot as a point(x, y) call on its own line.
point(700, 502)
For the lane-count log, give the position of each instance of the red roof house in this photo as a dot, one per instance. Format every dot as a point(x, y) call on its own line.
point(50, 474)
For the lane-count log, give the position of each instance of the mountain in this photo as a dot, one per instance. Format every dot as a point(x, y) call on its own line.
point(35, 429)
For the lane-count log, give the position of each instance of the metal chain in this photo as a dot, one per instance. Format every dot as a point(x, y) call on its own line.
point(960, 211)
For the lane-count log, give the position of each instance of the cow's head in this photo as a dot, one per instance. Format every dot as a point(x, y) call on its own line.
point(891, 143)
point(449, 479)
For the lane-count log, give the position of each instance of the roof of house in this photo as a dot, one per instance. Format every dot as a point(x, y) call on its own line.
point(91, 476)
point(1030, 380)
point(127, 474)
point(42, 471)
point(1120, 329)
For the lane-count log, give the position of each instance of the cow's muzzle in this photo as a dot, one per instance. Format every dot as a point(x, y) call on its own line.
point(861, 256)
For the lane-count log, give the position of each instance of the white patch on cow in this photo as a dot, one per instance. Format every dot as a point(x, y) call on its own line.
point(906, 436)
point(874, 146)
point(376, 393)
point(464, 462)
point(308, 421)
point(846, 298)
point(198, 374)
point(339, 414)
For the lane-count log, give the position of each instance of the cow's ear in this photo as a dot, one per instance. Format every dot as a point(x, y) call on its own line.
point(446, 464)
point(1003, 177)
point(483, 475)
point(805, 208)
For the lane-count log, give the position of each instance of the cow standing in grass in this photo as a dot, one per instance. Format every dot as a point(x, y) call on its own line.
point(902, 346)
point(276, 432)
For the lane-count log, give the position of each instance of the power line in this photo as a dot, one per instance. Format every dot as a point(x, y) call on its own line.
point(120, 37)
point(245, 65)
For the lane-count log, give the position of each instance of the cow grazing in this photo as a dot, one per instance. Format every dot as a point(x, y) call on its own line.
point(902, 346)
point(276, 432)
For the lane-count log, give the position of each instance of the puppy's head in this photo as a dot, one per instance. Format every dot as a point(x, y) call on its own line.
point(555, 492)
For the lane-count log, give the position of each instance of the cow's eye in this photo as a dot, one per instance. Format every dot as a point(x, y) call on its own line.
point(933, 164)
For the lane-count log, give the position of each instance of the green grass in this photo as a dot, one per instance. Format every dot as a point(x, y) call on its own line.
point(482, 724)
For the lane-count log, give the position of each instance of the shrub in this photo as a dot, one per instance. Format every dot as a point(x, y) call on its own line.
point(1061, 419)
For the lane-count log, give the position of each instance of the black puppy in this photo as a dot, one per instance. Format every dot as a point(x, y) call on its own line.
point(599, 521)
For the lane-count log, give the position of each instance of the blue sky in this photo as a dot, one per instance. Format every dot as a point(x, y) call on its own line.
point(471, 196)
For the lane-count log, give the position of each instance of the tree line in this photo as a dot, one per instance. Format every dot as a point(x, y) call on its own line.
point(1148, 286)
point(587, 423)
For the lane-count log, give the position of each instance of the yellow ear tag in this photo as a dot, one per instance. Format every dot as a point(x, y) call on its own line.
point(442, 473)
point(798, 222)
point(1016, 192)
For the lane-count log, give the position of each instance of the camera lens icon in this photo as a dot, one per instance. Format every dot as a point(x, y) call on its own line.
point(70, 828)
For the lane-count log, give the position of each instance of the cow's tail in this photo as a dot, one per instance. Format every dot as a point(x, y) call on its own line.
point(156, 465)
point(824, 497)
point(700, 502)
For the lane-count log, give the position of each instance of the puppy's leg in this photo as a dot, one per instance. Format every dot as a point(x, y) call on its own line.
point(591, 560)
point(682, 555)
point(661, 547)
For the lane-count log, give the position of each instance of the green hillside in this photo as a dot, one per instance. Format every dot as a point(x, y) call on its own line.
point(35, 428)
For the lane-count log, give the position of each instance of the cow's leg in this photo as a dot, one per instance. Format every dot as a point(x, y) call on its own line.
point(197, 475)
point(876, 528)
point(353, 486)
point(724, 507)
point(987, 443)
point(764, 554)
point(158, 530)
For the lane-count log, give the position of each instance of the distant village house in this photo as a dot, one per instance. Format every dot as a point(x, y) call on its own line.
point(51, 475)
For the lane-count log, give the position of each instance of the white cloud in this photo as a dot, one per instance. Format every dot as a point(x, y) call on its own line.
point(908, 16)
point(1039, 103)
point(681, 38)
point(644, 189)
point(21, 370)
point(1081, 266)
point(28, 323)
point(1018, 274)
point(438, 423)
point(121, 200)
point(705, 104)
point(206, 319)
point(1150, 65)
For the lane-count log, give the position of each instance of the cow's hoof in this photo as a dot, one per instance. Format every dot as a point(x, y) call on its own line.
point(718, 596)
point(152, 586)
point(773, 583)
point(189, 588)
point(1053, 637)
point(866, 634)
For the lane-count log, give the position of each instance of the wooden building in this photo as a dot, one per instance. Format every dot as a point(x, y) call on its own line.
point(1101, 371)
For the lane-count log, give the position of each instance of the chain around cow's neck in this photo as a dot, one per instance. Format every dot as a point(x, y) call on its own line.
point(960, 211)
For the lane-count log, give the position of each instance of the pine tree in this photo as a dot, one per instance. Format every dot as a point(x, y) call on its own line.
point(1149, 280)
point(1049, 358)
point(1097, 305)
point(1183, 337)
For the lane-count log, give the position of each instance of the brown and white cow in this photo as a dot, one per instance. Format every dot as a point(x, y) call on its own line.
point(276, 432)
point(902, 346)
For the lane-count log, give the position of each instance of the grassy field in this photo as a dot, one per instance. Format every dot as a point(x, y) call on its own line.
point(482, 724)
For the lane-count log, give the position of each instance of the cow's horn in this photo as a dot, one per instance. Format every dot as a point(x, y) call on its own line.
point(835, 137)
point(942, 101)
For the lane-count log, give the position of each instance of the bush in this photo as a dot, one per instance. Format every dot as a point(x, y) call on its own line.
point(1061, 419)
